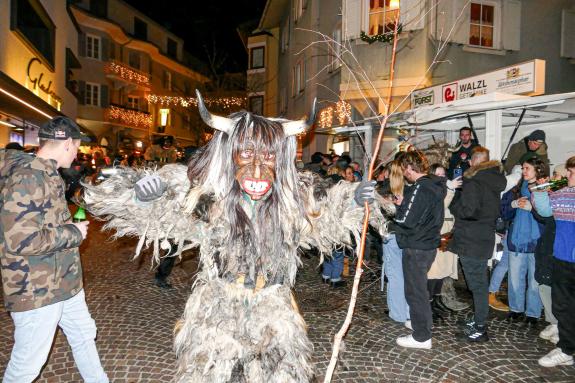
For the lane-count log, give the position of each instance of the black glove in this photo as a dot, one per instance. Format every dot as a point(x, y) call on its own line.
point(149, 188)
point(365, 192)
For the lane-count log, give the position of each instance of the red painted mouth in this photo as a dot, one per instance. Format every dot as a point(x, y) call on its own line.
point(256, 187)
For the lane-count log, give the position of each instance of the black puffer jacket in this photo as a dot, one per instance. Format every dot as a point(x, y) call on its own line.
point(544, 249)
point(420, 216)
point(476, 208)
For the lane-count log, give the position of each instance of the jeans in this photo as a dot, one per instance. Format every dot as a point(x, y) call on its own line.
point(500, 269)
point(34, 334)
point(522, 268)
point(332, 268)
point(475, 271)
point(416, 265)
point(545, 294)
point(393, 269)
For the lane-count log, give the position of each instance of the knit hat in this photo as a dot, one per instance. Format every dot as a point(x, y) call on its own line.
point(537, 135)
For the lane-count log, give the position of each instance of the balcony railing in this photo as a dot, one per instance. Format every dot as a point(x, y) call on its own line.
point(128, 117)
point(121, 72)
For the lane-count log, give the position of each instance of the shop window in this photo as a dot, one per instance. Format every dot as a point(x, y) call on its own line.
point(482, 25)
point(140, 29)
point(257, 57)
point(256, 104)
point(92, 96)
point(382, 15)
point(93, 47)
point(32, 23)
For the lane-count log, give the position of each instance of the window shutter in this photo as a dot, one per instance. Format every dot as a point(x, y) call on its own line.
point(82, 44)
point(105, 44)
point(351, 19)
point(460, 16)
point(81, 92)
point(104, 96)
point(568, 33)
point(511, 25)
point(441, 21)
point(411, 14)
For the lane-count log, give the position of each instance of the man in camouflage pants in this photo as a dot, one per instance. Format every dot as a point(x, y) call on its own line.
point(40, 259)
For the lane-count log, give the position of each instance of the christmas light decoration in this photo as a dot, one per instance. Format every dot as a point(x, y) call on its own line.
point(129, 117)
point(326, 117)
point(127, 74)
point(221, 102)
point(343, 112)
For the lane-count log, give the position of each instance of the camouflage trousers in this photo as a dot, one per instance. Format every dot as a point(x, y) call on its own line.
point(34, 334)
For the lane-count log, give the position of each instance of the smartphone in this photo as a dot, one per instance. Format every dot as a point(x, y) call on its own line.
point(457, 172)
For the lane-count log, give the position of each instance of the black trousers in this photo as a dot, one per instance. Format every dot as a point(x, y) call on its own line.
point(563, 303)
point(475, 270)
point(416, 264)
point(166, 264)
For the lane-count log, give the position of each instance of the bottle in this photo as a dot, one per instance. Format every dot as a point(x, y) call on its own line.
point(552, 185)
point(80, 215)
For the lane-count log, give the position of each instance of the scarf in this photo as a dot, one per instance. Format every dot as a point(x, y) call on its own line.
point(525, 227)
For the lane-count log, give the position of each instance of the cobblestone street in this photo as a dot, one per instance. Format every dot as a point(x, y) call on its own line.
point(135, 320)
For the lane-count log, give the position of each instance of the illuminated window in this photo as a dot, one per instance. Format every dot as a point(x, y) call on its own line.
point(93, 47)
point(92, 94)
point(257, 57)
point(481, 25)
point(382, 15)
point(164, 115)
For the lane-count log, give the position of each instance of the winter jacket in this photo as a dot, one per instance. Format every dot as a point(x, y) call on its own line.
point(519, 152)
point(420, 216)
point(476, 208)
point(544, 249)
point(38, 246)
point(510, 213)
point(461, 157)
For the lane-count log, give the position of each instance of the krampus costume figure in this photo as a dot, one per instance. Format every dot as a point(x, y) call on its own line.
point(248, 209)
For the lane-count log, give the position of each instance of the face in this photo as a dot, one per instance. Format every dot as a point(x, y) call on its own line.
point(465, 136)
point(71, 150)
point(533, 145)
point(409, 174)
point(255, 172)
point(349, 175)
point(571, 177)
point(440, 172)
point(528, 172)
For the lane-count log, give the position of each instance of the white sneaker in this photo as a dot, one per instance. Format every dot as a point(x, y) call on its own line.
point(554, 338)
point(556, 358)
point(549, 332)
point(408, 325)
point(409, 342)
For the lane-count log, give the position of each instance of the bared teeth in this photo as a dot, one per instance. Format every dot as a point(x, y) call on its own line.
point(254, 186)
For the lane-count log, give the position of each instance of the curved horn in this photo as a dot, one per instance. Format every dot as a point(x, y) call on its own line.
point(217, 122)
point(292, 128)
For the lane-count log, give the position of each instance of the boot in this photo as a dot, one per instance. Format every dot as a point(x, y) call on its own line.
point(449, 297)
point(438, 302)
point(436, 312)
point(496, 304)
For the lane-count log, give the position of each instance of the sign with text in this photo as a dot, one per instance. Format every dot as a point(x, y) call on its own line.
point(527, 78)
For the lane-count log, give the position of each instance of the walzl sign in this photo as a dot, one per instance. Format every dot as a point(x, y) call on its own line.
point(527, 78)
point(35, 80)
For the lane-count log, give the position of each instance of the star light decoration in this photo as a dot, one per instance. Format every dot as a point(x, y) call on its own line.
point(130, 117)
point(341, 110)
point(127, 73)
point(221, 102)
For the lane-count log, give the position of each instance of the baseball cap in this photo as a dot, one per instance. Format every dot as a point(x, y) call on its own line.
point(61, 128)
point(537, 135)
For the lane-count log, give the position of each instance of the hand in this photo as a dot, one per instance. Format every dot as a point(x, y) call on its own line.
point(365, 192)
point(454, 183)
point(543, 180)
point(83, 227)
point(149, 188)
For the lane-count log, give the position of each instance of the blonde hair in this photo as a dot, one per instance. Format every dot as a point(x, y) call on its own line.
point(396, 181)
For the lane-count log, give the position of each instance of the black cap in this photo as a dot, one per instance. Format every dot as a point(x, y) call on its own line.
point(14, 146)
point(61, 128)
point(537, 135)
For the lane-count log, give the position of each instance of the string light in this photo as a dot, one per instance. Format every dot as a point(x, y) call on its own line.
point(343, 112)
point(130, 117)
point(127, 73)
point(326, 117)
point(221, 102)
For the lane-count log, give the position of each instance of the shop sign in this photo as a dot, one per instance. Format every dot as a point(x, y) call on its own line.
point(526, 79)
point(36, 81)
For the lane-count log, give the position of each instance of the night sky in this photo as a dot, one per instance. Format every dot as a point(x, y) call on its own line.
point(205, 25)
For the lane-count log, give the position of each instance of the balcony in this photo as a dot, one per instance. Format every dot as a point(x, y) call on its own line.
point(125, 76)
point(132, 118)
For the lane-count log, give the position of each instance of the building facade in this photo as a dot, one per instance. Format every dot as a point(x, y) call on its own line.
point(38, 59)
point(128, 63)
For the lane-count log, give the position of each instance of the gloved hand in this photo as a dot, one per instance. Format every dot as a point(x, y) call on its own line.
point(149, 188)
point(455, 183)
point(365, 192)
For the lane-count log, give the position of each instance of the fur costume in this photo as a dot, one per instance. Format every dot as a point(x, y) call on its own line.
point(240, 323)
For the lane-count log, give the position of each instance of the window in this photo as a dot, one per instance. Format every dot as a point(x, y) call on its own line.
point(134, 59)
point(297, 9)
point(172, 48)
point(140, 29)
point(335, 49)
point(99, 8)
point(31, 22)
point(257, 57)
point(134, 102)
point(256, 104)
point(481, 26)
point(285, 36)
point(92, 94)
point(167, 80)
point(298, 78)
point(93, 47)
point(382, 15)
